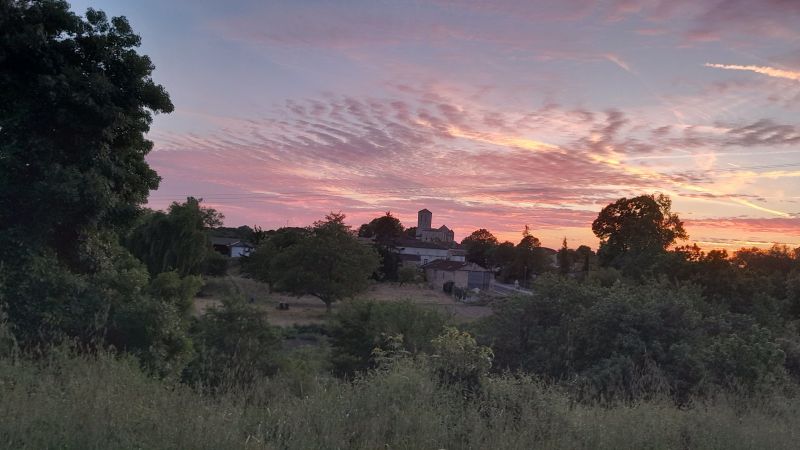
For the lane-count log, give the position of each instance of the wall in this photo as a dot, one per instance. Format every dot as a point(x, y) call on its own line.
point(237, 251)
point(426, 255)
point(435, 235)
point(437, 278)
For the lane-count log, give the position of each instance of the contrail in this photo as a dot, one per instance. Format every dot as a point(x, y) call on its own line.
point(764, 70)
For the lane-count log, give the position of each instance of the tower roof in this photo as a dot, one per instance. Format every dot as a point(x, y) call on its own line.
point(424, 210)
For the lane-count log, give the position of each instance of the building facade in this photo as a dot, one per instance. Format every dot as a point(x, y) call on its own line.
point(426, 232)
point(463, 275)
point(418, 252)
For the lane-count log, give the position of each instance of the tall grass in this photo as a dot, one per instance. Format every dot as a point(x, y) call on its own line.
point(87, 402)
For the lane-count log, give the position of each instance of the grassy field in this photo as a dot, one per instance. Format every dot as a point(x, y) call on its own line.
point(82, 402)
point(310, 310)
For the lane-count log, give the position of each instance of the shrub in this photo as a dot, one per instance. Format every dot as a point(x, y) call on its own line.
point(235, 345)
point(447, 287)
point(215, 264)
point(458, 359)
point(407, 274)
point(358, 327)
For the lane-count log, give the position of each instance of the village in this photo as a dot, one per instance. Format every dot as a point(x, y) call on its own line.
point(423, 264)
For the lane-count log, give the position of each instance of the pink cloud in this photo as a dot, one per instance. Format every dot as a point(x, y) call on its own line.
point(364, 156)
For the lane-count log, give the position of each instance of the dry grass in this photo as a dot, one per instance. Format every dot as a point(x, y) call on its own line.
point(105, 403)
point(309, 310)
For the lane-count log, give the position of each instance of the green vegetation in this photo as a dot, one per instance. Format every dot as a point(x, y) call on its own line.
point(329, 263)
point(632, 340)
point(361, 327)
point(520, 262)
point(75, 102)
point(176, 240)
point(104, 402)
point(384, 232)
point(633, 231)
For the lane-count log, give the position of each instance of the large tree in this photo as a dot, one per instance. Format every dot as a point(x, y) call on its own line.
point(633, 230)
point(330, 263)
point(529, 258)
point(175, 240)
point(384, 229)
point(76, 100)
point(480, 246)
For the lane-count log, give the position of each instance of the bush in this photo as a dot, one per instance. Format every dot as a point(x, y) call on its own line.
point(235, 345)
point(458, 359)
point(8, 344)
point(115, 304)
point(360, 326)
point(215, 264)
point(447, 287)
point(408, 274)
point(631, 341)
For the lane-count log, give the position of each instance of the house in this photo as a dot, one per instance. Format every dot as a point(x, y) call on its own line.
point(420, 252)
point(456, 254)
point(416, 252)
point(232, 247)
point(465, 275)
point(426, 233)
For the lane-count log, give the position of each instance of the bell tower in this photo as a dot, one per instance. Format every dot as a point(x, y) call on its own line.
point(424, 220)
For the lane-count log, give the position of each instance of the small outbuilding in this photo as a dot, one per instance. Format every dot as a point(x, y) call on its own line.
point(465, 275)
point(232, 247)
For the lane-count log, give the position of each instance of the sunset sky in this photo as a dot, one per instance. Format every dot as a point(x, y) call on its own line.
point(491, 114)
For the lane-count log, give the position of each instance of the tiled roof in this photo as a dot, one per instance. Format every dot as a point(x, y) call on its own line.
point(441, 264)
point(229, 242)
point(409, 257)
point(452, 266)
point(413, 243)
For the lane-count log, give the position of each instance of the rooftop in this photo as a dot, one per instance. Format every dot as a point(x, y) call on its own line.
point(413, 243)
point(452, 266)
point(229, 242)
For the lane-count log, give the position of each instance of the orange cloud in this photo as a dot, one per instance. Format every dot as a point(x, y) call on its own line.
point(764, 70)
point(498, 139)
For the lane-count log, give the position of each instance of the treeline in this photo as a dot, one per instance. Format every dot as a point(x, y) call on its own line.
point(523, 261)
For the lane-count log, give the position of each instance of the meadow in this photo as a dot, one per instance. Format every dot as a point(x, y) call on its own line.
point(71, 401)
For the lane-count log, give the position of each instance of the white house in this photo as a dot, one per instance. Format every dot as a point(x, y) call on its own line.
point(419, 253)
point(235, 248)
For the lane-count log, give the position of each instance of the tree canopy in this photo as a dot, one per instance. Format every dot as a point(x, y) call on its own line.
point(635, 228)
point(175, 240)
point(75, 101)
point(480, 246)
point(329, 263)
point(384, 229)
